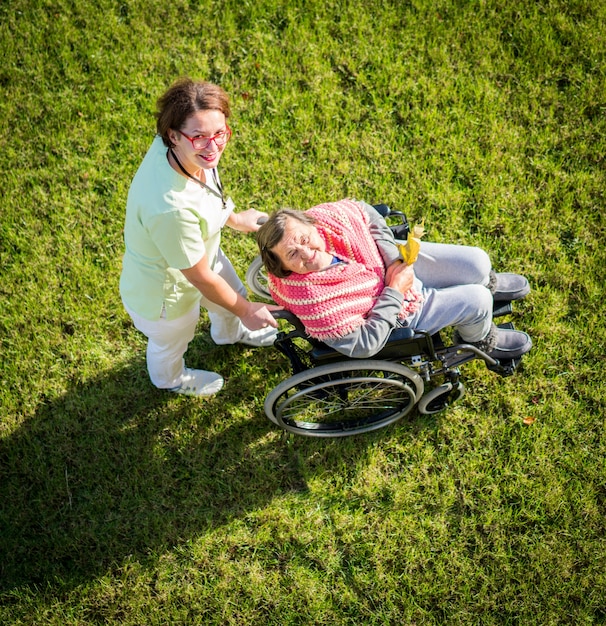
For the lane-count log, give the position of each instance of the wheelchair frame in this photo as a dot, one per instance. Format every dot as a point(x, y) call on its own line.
point(332, 395)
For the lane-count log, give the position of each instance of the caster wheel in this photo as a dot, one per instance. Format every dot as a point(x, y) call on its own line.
point(440, 398)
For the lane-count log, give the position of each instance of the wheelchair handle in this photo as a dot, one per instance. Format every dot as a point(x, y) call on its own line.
point(283, 314)
point(291, 318)
point(262, 220)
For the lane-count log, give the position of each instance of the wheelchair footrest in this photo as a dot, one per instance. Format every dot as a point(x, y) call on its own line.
point(505, 368)
point(501, 308)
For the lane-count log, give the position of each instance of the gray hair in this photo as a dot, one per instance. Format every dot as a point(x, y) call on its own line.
point(270, 235)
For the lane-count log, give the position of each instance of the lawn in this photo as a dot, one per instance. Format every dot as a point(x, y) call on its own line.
point(122, 504)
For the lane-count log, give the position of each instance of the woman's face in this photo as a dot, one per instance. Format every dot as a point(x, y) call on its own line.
point(301, 249)
point(199, 125)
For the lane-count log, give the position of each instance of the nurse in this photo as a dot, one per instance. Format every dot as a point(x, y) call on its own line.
point(173, 262)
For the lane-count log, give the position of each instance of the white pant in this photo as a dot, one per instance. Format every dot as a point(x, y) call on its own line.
point(168, 339)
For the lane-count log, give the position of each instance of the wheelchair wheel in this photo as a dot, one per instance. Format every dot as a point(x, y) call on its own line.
point(440, 398)
point(256, 279)
point(345, 398)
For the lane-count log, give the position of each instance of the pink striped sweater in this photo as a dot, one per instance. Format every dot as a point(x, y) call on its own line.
point(334, 302)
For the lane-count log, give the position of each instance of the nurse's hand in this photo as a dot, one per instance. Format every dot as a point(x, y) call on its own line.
point(258, 315)
point(247, 221)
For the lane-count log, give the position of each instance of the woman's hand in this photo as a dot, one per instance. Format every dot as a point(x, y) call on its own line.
point(246, 221)
point(400, 276)
point(259, 316)
point(396, 266)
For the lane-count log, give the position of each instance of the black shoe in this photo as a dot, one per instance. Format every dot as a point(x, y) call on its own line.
point(511, 344)
point(507, 287)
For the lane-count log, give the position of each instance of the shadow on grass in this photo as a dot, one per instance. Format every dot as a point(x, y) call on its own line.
point(116, 468)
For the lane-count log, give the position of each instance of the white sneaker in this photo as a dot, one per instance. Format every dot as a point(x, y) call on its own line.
point(199, 383)
point(260, 338)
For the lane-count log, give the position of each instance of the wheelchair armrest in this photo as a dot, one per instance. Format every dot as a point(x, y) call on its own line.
point(401, 334)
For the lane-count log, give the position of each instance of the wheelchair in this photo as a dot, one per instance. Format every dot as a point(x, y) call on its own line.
point(332, 395)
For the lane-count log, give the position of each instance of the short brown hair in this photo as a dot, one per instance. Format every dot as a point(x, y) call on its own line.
point(270, 235)
point(183, 98)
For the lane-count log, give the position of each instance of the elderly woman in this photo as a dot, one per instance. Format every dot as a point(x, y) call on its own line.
point(173, 261)
point(338, 269)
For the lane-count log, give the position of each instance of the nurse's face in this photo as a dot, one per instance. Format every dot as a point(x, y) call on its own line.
point(200, 142)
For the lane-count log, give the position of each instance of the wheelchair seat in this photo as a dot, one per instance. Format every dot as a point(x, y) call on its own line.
point(403, 342)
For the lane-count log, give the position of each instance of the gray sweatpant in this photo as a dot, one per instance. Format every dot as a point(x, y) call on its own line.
point(453, 282)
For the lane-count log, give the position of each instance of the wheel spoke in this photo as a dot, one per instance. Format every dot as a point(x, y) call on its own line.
point(343, 398)
point(349, 398)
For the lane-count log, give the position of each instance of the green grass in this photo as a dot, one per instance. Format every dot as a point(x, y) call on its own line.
point(122, 505)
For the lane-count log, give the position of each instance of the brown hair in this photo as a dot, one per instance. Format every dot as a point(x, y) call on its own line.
point(183, 98)
point(270, 235)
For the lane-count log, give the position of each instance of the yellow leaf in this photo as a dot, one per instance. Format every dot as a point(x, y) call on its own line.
point(410, 249)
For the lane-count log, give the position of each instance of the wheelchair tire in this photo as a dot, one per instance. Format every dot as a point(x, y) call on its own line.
point(344, 398)
point(440, 398)
point(256, 279)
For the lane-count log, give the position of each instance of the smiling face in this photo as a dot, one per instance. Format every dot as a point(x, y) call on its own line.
point(302, 249)
point(207, 123)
